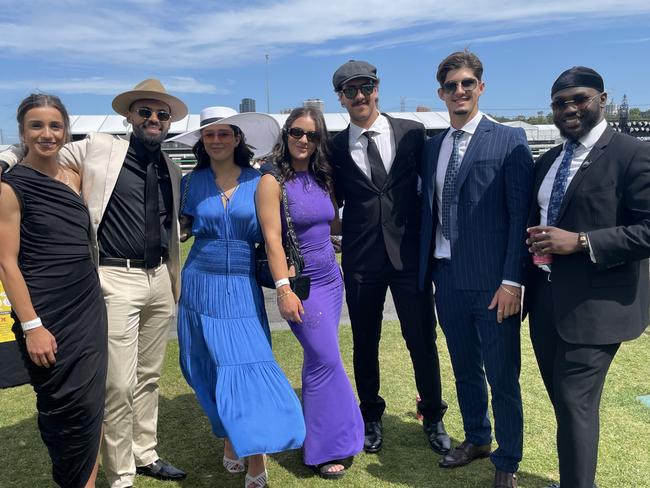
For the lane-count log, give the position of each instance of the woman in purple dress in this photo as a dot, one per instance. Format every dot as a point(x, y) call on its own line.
point(333, 419)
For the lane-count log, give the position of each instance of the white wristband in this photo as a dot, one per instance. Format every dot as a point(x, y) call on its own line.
point(31, 324)
point(281, 282)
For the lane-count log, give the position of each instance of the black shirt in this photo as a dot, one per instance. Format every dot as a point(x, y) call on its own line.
point(121, 233)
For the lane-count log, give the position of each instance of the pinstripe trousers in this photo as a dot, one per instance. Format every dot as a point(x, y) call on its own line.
point(482, 348)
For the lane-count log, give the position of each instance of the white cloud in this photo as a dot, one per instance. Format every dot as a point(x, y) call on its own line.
point(166, 35)
point(104, 86)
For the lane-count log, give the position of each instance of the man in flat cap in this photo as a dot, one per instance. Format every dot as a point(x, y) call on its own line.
point(591, 213)
point(131, 189)
point(376, 164)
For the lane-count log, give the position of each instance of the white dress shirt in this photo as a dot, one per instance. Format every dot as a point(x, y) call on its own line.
point(382, 136)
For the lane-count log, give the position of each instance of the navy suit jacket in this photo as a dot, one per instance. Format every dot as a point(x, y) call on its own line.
point(489, 211)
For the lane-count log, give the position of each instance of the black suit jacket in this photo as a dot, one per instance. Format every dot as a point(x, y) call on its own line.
point(384, 220)
point(609, 198)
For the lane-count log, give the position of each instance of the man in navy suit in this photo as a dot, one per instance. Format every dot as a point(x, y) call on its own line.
point(476, 184)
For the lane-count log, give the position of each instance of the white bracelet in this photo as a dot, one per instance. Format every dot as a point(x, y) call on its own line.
point(31, 324)
point(281, 282)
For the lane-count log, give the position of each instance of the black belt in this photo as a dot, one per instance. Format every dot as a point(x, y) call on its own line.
point(128, 263)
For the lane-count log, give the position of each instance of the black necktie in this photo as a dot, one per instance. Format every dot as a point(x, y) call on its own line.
point(151, 218)
point(378, 173)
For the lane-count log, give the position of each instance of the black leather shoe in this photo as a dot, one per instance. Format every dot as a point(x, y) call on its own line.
point(464, 454)
point(503, 479)
point(161, 470)
point(373, 439)
point(437, 436)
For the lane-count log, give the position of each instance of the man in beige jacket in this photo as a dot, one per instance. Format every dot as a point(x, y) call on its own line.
point(131, 189)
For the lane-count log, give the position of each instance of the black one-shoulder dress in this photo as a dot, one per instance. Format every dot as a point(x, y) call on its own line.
point(64, 288)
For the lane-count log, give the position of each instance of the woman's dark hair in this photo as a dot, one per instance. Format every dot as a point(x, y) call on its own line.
point(319, 164)
point(243, 153)
point(37, 100)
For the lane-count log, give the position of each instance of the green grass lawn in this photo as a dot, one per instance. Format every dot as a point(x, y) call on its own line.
point(406, 460)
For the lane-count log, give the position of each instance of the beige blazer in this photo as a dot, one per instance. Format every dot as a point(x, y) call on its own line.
point(98, 159)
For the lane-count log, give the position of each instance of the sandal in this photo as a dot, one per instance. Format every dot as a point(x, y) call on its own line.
point(322, 470)
point(258, 481)
point(233, 466)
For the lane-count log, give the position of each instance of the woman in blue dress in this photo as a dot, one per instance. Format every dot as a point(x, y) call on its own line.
point(223, 332)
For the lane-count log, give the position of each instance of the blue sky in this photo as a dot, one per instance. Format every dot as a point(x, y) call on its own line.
point(213, 53)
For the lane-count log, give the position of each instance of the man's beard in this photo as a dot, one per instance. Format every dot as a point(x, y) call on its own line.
point(147, 139)
point(588, 120)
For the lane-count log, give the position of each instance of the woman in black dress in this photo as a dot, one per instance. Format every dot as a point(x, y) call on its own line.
point(53, 286)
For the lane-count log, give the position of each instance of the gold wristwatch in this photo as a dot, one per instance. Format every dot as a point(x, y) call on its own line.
point(583, 241)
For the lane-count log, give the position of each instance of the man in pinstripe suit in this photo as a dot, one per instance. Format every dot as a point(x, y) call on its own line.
point(477, 181)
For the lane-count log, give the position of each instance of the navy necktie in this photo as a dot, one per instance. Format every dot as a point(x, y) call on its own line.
point(449, 186)
point(559, 184)
point(378, 173)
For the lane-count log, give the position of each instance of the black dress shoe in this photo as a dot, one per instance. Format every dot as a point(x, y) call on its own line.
point(373, 439)
point(464, 454)
point(437, 436)
point(161, 470)
point(503, 479)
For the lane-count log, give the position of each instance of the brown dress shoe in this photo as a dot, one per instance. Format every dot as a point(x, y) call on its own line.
point(503, 479)
point(464, 454)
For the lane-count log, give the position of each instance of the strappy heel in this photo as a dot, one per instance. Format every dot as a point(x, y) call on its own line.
point(233, 466)
point(258, 481)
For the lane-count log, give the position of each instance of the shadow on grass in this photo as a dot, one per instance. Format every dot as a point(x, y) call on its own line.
point(25, 460)
point(407, 459)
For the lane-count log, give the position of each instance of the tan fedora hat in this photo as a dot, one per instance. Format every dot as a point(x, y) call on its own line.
point(150, 89)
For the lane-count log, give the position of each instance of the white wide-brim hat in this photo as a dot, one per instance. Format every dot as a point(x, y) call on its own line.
point(261, 130)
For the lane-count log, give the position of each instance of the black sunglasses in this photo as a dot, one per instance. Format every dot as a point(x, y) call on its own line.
point(297, 133)
point(350, 92)
point(468, 84)
point(580, 101)
point(162, 115)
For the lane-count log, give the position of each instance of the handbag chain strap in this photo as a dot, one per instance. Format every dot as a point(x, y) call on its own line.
point(292, 239)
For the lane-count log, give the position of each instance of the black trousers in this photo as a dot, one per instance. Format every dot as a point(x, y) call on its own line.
point(365, 295)
point(574, 376)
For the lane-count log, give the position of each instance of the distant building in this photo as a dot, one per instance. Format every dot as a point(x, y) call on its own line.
point(286, 110)
point(611, 110)
point(422, 108)
point(247, 105)
point(314, 103)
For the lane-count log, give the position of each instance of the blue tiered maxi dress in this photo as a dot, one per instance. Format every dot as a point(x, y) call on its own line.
point(223, 331)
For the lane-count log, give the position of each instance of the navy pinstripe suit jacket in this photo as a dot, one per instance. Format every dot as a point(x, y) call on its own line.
point(489, 210)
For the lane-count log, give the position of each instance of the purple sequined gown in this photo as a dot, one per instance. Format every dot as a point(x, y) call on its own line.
point(332, 415)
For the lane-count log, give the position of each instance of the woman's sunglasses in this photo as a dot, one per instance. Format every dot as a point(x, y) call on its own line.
point(297, 133)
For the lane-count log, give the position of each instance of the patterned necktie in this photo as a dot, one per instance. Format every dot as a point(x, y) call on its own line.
point(559, 184)
point(449, 186)
point(378, 173)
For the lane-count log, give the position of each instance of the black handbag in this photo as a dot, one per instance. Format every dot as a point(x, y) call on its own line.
point(300, 283)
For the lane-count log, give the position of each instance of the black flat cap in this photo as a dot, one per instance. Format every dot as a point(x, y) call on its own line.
point(351, 70)
point(578, 76)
